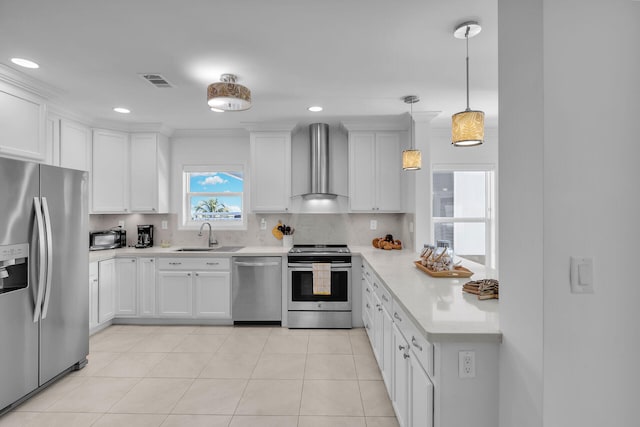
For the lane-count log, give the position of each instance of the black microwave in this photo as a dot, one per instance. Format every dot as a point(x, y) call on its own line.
point(107, 239)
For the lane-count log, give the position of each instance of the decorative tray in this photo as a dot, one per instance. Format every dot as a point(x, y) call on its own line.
point(458, 271)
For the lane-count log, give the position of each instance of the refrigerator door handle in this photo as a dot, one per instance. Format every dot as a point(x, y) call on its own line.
point(47, 219)
point(41, 258)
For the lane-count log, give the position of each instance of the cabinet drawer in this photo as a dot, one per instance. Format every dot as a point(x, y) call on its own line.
point(422, 348)
point(383, 294)
point(194, 264)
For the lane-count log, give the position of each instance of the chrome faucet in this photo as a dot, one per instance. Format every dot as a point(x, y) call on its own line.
point(212, 241)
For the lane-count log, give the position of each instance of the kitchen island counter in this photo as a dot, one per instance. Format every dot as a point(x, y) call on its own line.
point(437, 306)
point(157, 251)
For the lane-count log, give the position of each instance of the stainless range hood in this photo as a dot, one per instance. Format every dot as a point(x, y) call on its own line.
point(319, 165)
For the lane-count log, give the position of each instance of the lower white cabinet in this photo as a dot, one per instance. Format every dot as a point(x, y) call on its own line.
point(175, 294)
point(93, 295)
point(147, 286)
point(400, 372)
point(106, 290)
point(126, 302)
point(212, 294)
point(421, 394)
point(194, 288)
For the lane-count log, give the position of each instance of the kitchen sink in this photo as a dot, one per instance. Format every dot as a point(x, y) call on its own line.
point(218, 249)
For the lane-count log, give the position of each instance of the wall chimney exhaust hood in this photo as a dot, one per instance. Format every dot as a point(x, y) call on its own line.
point(319, 164)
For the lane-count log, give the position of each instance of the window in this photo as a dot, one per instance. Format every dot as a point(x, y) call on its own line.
point(213, 194)
point(463, 213)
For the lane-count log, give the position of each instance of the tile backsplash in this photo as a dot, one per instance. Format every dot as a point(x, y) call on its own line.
point(352, 229)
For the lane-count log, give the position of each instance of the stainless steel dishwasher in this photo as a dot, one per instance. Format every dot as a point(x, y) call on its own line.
point(257, 290)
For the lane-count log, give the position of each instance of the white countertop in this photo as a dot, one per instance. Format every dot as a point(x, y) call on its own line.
point(437, 305)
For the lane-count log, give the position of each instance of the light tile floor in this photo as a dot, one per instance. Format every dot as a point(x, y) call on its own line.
point(217, 376)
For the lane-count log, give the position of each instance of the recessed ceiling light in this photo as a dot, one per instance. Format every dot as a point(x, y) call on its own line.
point(315, 108)
point(217, 110)
point(121, 110)
point(24, 63)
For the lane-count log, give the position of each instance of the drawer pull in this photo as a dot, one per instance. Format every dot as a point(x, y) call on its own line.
point(175, 263)
point(367, 289)
point(375, 285)
point(401, 347)
point(384, 297)
point(379, 308)
point(377, 305)
point(213, 263)
point(406, 355)
point(395, 315)
point(414, 343)
point(368, 306)
point(188, 274)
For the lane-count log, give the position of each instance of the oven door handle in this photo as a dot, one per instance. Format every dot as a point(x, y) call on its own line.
point(337, 266)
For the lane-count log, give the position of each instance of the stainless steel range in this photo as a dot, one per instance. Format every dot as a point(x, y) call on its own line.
point(309, 308)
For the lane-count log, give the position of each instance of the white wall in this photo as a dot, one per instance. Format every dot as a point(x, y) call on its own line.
point(568, 181)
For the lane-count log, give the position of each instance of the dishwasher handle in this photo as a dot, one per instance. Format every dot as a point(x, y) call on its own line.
point(256, 264)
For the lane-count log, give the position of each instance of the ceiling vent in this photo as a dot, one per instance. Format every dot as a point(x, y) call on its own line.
point(156, 79)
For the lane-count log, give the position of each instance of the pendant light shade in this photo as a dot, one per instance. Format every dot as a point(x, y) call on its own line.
point(227, 95)
point(412, 158)
point(467, 127)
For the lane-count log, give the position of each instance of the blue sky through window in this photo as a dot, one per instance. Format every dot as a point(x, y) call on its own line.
point(216, 182)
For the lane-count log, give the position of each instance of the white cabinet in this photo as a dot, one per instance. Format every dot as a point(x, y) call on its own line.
point(212, 294)
point(22, 124)
point(374, 171)
point(270, 171)
point(175, 294)
point(400, 394)
point(421, 393)
point(194, 288)
point(126, 287)
point(74, 150)
point(110, 172)
point(147, 286)
point(149, 174)
point(93, 295)
point(106, 290)
point(130, 172)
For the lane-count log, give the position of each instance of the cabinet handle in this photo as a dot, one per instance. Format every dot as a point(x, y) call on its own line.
point(153, 209)
point(368, 306)
point(406, 355)
point(151, 260)
point(384, 297)
point(188, 274)
point(375, 285)
point(377, 305)
point(175, 263)
point(395, 315)
point(367, 326)
point(367, 289)
point(213, 263)
point(379, 308)
point(133, 260)
point(414, 343)
point(401, 347)
point(197, 274)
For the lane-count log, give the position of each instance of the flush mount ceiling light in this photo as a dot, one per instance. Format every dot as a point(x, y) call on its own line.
point(467, 127)
point(227, 95)
point(24, 63)
point(315, 109)
point(412, 158)
point(121, 110)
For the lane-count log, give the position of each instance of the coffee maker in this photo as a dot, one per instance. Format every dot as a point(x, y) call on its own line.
point(145, 236)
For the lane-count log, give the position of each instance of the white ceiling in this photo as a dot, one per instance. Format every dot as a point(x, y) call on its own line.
point(356, 58)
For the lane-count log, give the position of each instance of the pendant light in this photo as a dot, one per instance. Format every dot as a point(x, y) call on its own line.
point(412, 158)
point(467, 127)
point(227, 95)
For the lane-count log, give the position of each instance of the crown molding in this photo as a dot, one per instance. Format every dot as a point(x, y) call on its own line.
point(22, 81)
point(208, 133)
point(270, 127)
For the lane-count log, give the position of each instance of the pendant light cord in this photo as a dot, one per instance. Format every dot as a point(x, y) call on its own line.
point(411, 122)
point(466, 36)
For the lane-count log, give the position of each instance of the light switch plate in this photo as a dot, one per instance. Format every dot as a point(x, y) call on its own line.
point(373, 224)
point(263, 224)
point(164, 225)
point(581, 275)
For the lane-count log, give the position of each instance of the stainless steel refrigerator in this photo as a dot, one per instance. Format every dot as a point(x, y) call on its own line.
point(44, 262)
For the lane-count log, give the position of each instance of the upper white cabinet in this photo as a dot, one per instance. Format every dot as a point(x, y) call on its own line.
point(110, 177)
point(22, 124)
point(75, 146)
point(270, 171)
point(130, 172)
point(374, 171)
point(149, 173)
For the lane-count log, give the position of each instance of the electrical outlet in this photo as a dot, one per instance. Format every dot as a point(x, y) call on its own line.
point(121, 224)
point(467, 364)
point(263, 224)
point(164, 225)
point(373, 224)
